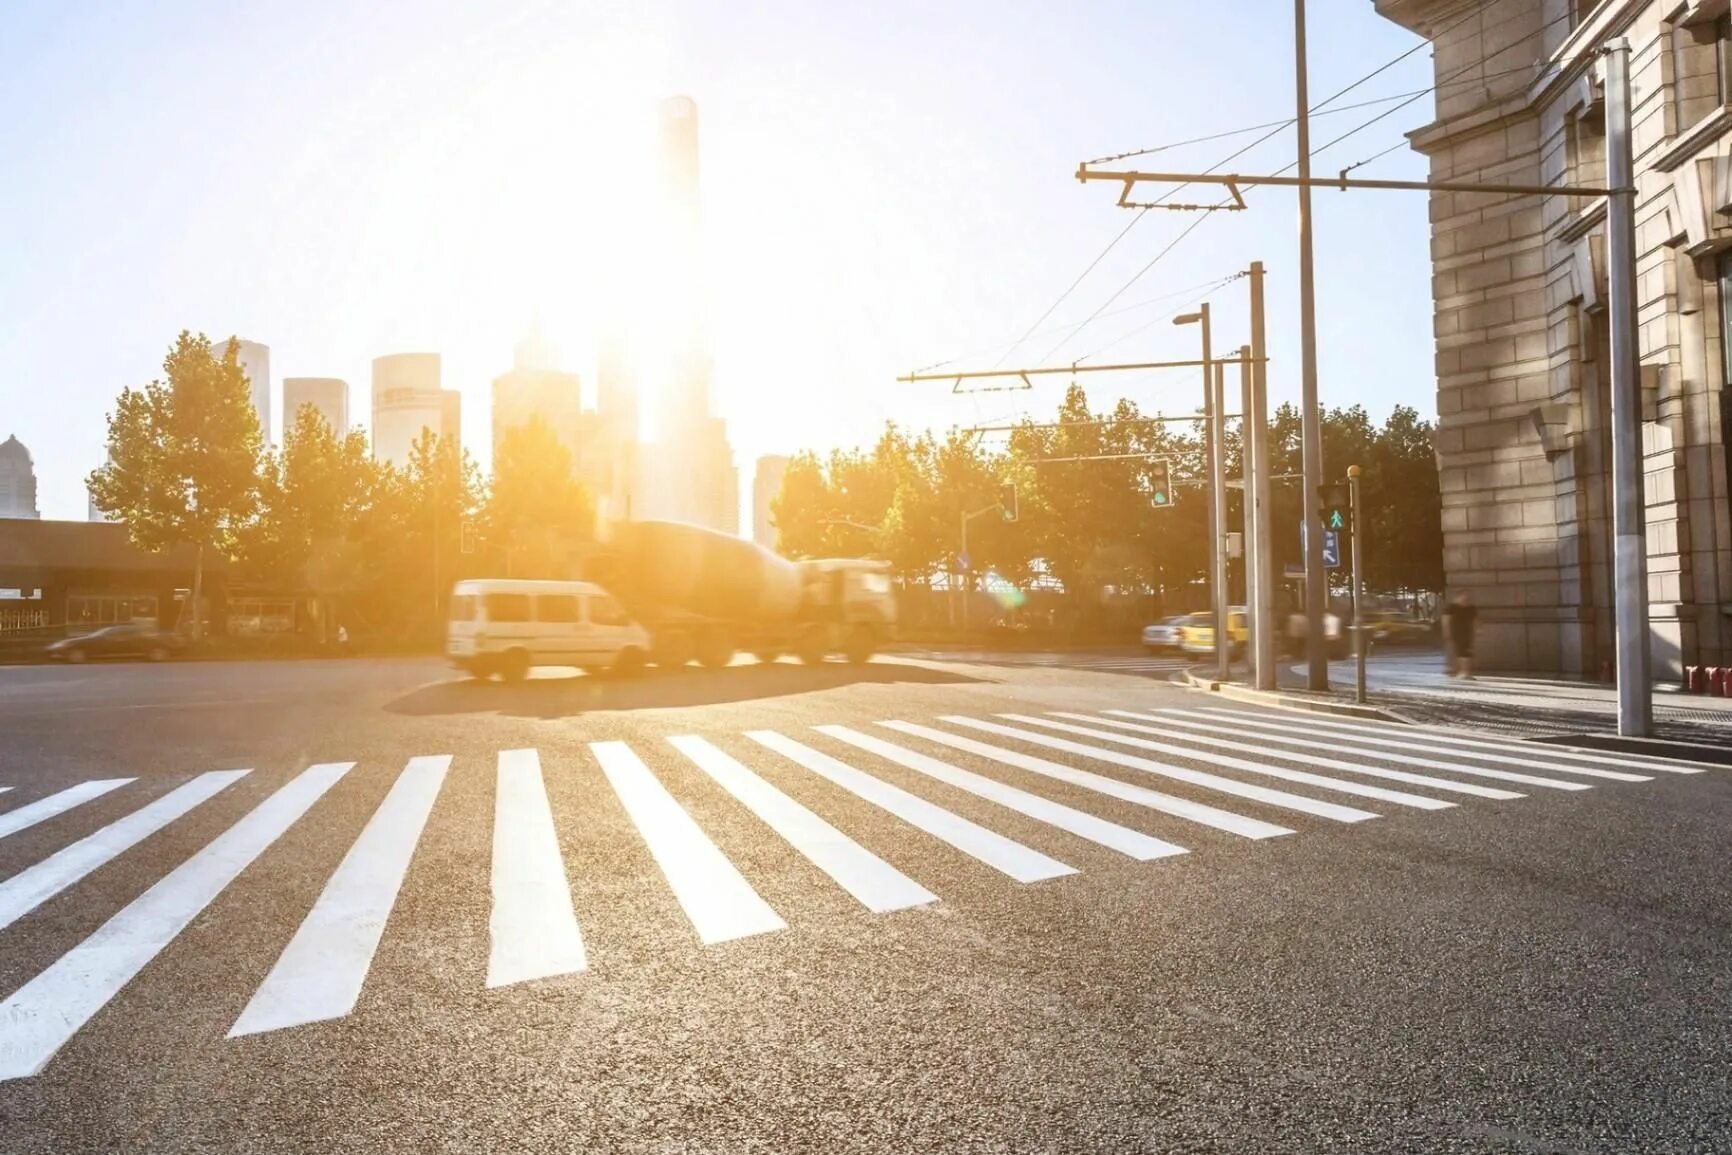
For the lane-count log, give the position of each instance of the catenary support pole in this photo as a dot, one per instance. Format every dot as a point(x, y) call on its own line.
point(1316, 581)
point(1257, 491)
point(1248, 508)
point(1360, 641)
point(1630, 561)
point(1218, 514)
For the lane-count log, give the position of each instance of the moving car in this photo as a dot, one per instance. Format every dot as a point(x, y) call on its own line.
point(506, 627)
point(128, 640)
point(1198, 632)
point(1163, 635)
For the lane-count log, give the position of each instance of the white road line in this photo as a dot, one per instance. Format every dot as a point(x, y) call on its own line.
point(1344, 745)
point(1098, 830)
point(1393, 743)
point(533, 927)
point(4, 789)
point(879, 886)
point(319, 974)
point(1303, 777)
point(1262, 794)
point(1573, 753)
point(997, 851)
point(719, 901)
point(43, 809)
point(1184, 808)
point(30, 888)
point(1288, 756)
point(49, 1009)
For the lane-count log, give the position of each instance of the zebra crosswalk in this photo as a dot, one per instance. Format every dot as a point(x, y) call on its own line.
point(1030, 798)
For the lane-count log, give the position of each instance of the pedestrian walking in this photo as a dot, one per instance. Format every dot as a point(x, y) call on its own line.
point(1458, 623)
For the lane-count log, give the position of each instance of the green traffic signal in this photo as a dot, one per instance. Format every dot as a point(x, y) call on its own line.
point(1160, 485)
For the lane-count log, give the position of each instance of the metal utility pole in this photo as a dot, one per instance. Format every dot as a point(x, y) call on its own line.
point(1255, 424)
point(1630, 559)
point(1248, 508)
point(1218, 517)
point(1316, 587)
point(968, 562)
point(1359, 641)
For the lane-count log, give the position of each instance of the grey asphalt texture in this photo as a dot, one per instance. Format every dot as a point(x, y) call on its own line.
point(1551, 974)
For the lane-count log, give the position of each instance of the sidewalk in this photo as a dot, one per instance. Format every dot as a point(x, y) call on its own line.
point(1413, 684)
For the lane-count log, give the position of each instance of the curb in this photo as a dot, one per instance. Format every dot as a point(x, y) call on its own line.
point(1653, 747)
point(1240, 693)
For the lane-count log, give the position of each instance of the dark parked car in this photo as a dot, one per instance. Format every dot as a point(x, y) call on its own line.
point(133, 640)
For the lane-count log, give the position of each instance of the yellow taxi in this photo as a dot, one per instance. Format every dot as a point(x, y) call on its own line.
point(1197, 635)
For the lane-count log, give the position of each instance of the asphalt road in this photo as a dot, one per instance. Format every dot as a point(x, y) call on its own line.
point(573, 934)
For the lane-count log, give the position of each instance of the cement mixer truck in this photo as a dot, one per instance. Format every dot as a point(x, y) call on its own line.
point(705, 596)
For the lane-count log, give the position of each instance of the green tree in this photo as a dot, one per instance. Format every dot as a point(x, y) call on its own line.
point(536, 508)
point(313, 497)
point(184, 457)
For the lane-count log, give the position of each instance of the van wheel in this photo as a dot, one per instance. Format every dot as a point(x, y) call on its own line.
point(714, 652)
point(630, 662)
point(861, 643)
point(514, 665)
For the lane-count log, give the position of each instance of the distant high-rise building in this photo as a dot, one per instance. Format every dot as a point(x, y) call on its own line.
point(255, 362)
point(534, 388)
point(766, 487)
point(451, 417)
point(17, 481)
point(328, 395)
point(407, 401)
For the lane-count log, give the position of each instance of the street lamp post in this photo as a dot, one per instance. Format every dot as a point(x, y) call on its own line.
point(1358, 586)
point(1214, 410)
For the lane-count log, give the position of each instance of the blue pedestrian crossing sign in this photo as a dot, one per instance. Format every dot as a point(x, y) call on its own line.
point(1331, 549)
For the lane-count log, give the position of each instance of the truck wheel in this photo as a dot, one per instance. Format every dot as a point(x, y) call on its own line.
point(672, 650)
point(861, 643)
point(812, 647)
point(514, 665)
point(714, 652)
point(767, 656)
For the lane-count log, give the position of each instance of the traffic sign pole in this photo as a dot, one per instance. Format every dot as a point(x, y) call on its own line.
point(1358, 585)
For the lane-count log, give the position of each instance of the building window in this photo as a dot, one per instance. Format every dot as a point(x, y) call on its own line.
point(93, 611)
point(1725, 271)
point(1699, 71)
point(257, 617)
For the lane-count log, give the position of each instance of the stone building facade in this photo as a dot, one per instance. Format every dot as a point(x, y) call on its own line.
point(1519, 289)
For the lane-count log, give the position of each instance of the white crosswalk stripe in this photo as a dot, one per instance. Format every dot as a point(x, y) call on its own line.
point(43, 809)
point(1566, 754)
point(1340, 747)
point(1228, 762)
point(1254, 828)
point(1263, 794)
point(30, 888)
point(716, 897)
point(997, 851)
point(532, 929)
point(1188, 726)
point(1389, 741)
point(49, 1009)
point(1120, 838)
point(319, 974)
point(879, 886)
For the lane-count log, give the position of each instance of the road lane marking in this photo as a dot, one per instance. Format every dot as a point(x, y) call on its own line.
point(1342, 745)
point(49, 1009)
point(4, 789)
point(1264, 794)
point(43, 809)
point(30, 888)
point(1303, 777)
point(716, 897)
point(533, 927)
point(879, 886)
point(1254, 828)
point(319, 974)
point(1288, 756)
point(1097, 830)
point(997, 851)
point(1574, 753)
point(1361, 744)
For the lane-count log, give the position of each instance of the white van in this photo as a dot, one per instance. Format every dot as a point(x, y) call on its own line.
point(504, 627)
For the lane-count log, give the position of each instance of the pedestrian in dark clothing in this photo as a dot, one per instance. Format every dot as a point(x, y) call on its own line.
point(1458, 622)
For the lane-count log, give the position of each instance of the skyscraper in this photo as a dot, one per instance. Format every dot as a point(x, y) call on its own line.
point(766, 487)
point(534, 388)
point(255, 362)
point(451, 417)
point(407, 401)
point(328, 395)
point(17, 481)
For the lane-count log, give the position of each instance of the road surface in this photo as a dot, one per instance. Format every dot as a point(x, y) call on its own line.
point(920, 905)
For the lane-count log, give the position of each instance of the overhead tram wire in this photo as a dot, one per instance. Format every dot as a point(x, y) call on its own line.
point(1194, 225)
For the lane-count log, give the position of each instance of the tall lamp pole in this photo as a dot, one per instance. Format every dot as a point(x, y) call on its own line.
point(1212, 408)
point(1316, 587)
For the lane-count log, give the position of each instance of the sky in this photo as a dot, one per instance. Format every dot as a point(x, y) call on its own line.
point(884, 187)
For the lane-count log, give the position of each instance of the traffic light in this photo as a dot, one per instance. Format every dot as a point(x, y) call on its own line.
point(1007, 500)
point(1160, 485)
point(466, 537)
point(1337, 506)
